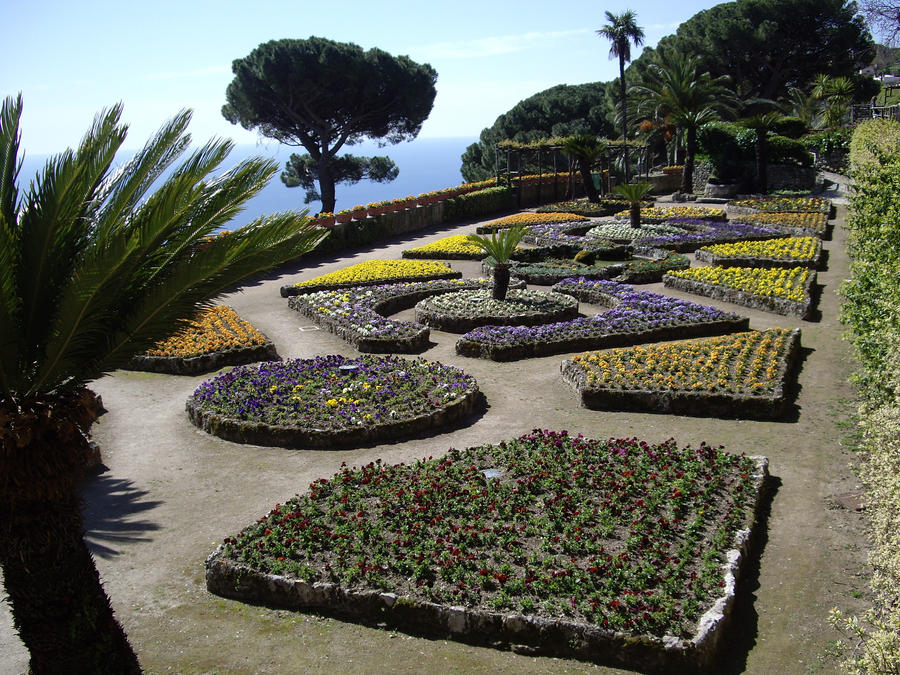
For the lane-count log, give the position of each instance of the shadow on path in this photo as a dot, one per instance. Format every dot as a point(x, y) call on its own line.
point(110, 506)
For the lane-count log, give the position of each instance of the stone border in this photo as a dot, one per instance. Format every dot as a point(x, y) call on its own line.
point(204, 363)
point(463, 324)
point(700, 404)
point(815, 262)
point(763, 303)
point(529, 635)
point(288, 291)
point(258, 433)
point(413, 254)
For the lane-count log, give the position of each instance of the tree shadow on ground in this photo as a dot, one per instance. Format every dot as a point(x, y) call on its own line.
point(111, 505)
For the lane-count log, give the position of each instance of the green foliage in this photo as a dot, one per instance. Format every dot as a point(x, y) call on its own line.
point(303, 171)
point(634, 192)
point(791, 127)
point(501, 244)
point(783, 150)
point(480, 203)
point(832, 140)
point(586, 257)
point(870, 137)
point(563, 110)
point(322, 95)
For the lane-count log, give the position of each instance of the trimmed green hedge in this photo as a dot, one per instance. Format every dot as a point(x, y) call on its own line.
point(479, 203)
point(869, 135)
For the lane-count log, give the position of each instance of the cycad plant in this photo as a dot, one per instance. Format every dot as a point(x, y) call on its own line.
point(585, 150)
point(95, 268)
point(634, 193)
point(500, 246)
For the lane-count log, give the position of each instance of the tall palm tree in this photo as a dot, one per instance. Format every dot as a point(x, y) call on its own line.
point(762, 124)
point(622, 31)
point(585, 150)
point(500, 246)
point(95, 268)
point(674, 90)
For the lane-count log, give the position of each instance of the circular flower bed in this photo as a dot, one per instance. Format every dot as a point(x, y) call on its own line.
point(332, 401)
point(462, 311)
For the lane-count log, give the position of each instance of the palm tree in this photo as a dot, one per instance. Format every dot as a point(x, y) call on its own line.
point(675, 91)
point(94, 268)
point(836, 93)
point(500, 247)
point(585, 150)
point(762, 124)
point(634, 193)
point(621, 31)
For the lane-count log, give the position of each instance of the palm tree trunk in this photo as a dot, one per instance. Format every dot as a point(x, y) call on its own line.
point(687, 175)
point(589, 189)
point(501, 281)
point(59, 608)
point(623, 93)
point(635, 214)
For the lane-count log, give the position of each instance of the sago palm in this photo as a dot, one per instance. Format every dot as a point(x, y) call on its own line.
point(585, 150)
point(500, 246)
point(634, 194)
point(95, 268)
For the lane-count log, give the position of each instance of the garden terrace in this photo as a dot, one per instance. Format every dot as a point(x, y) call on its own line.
point(373, 272)
point(217, 337)
point(784, 252)
point(359, 315)
point(333, 401)
point(524, 543)
point(795, 224)
point(634, 317)
point(785, 291)
point(461, 311)
point(744, 375)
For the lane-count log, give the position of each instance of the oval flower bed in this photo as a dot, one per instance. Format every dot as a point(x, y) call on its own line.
point(373, 272)
point(783, 252)
point(215, 338)
point(457, 247)
point(627, 233)
point(786, 291)
point(528, 218)
point(332, 401)
point(740, 375)
point(616, 551)
point(696, 233)
point(797, 224)
point(462, 311)
point(634, 317)
point(357, 314)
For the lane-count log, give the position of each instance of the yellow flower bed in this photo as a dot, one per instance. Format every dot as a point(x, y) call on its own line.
point(816, 221)
point(212, 330)
point(380, 271)
point(458, 244)
point(786, 248)
point(528, 218)
point(745, 363)
point(785, 204)
point(788, 283)
point(668, 212)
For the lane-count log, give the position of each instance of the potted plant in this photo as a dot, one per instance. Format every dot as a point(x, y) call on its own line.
point(358, 212)
point(343, 216)
point(325, 219)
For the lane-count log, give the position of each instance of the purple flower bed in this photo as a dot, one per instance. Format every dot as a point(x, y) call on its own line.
point(634, 317)
point(707, 232)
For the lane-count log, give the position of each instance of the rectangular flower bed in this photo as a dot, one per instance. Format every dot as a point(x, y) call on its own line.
point(786, 291)
point(373, 272)
point(618, 551)
point(777, 204)
point(656, 214)
point(457, 247)
point(795, 224)
point(782, 252)
point(745, 375)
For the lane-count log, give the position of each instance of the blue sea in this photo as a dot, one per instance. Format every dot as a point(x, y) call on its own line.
point(425, 164)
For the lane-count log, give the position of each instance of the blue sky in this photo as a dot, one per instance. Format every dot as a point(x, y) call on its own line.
point(70, 59)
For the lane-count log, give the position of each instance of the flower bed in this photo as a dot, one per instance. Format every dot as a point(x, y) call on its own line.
point(457, 247)
point(548, 272)
point(786, 291)
point(797, 224)
point(583, 207)
point(527, 219)
point(372, 272)
point(332, 401)
point(785, 204)
point(358, 315)
point(625, 232)
point(660, 213)
point(462, 311)
point(215, 338)
point(696, 233)
point(567, 234)
point(522, 543)
point(633, 317)
point(783, 252)
point(734, 376)
point(650, 269)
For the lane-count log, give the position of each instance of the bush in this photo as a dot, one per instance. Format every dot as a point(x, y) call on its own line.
point(783, 150)
point(871, 134)
point(791, 127)
point(479, 203)
point(833, 140)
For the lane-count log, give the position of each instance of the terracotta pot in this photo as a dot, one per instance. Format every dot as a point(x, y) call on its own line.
point(343, 217)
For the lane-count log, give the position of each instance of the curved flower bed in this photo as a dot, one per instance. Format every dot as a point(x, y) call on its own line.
point(528, 219)
point(660, 213)
point(570, 234)
point(215, 338)
point(332, 401)
point(525, 543)
point(548, 272)
point(633, 317)
point(625, 232)
point(696, 233)
point(462, 311)
point(357, 314)
point(783, 252)
point(785, 204)
point(786, 291)
point(741, 375)
point(457, 247)
point(583, 207)
point(650, 269)
point(797, 224)
point(372, 272)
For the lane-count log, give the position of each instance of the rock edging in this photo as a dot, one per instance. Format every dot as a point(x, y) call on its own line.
point(204, 363)
point(765, 303)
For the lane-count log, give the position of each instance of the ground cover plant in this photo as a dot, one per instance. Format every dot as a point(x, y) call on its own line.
point(633, 317)
point(810, 224)
point(456, 247)
point(461, 311)
point(782, 252)
point(659, 213)
point(785, 204)
point(375, 272)
point(623, 232)
point(619, 535)
point(696, 233)
point(739, 375)
point(358, 315)
point(527, 219)
point(331, 401)
point(216, 330)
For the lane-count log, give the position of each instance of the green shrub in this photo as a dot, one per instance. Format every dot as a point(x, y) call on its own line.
point(833, 140)
point(871, 134)
point(783, 150)
point(480, 203)
point(791, 127)
point(586, 257)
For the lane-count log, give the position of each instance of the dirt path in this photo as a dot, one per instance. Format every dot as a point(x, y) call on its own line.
point(172, 491)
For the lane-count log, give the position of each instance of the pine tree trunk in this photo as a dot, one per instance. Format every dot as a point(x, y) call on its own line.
point(59, 608)
point(326, 184)
point(501, 281)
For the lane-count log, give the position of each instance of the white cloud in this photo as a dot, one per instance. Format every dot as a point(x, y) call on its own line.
point(493, 46)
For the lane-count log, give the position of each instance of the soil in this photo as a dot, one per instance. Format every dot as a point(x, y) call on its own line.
point(171, 491)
